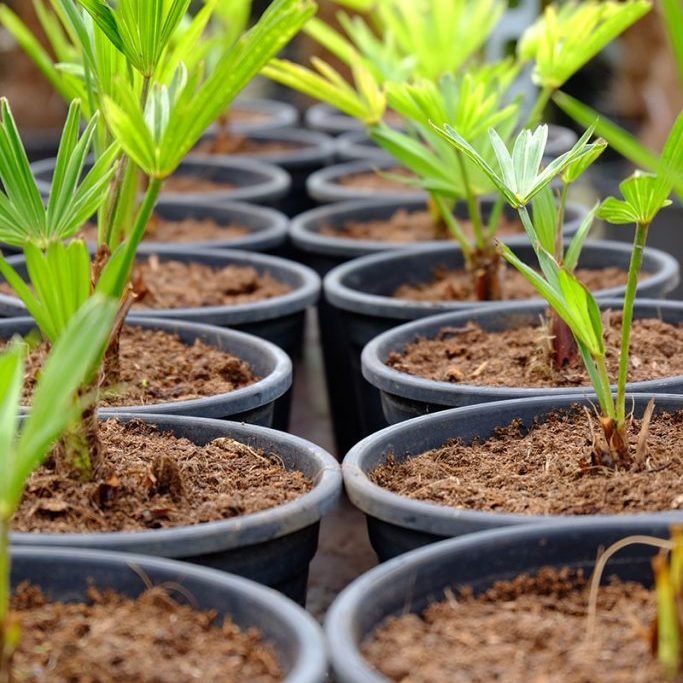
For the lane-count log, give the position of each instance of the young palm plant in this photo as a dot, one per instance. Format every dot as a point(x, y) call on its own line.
point(152, 124)
point(56, 405)
point(644, 195)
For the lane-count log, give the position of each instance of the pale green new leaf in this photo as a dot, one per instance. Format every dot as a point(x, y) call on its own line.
point(11, 378)
point(565, 38)
point(573, 253)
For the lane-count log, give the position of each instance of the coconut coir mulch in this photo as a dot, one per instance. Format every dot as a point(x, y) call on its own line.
point(152, 480)
point(519, 357)
point(543, 471)
point(458, 285)
point(153, 639)
point(157, 367)
point(177, 284)
point(408, 226)
point(181, 183)
point(378, 182)
point(529, 630)
point(185, 231)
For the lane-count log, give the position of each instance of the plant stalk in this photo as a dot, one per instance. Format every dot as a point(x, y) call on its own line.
point(539, 107)
point(627, 319)
point(5, 654)
point(455, 228)
point(472, 207)
point(559, 241)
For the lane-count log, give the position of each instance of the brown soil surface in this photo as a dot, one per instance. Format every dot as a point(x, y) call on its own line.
point(543, 471)
point(457, 285)
point(181, 183)
point(152, 639)
point(520, 357)
point(377, 182)
point(157, 367)
point(529, 630)
point(173, 284)
point(238, 115)
point(156, 480)
point(186, 230)
point(242, 144)
point(407, 226)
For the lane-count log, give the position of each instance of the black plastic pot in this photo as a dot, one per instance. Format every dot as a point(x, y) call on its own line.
point(406, 396)
point(361, 291)
point(66, 575)
point(328, 119)
point(408, 584)
point(324, 252)
point(397, 524)
point(279, 320)
point(267, 227)
point(324, 185)
point(273, 547)
point(253, 404)
point(355, 145)
point(309, 152)
point(253, 181)
point(272, 115)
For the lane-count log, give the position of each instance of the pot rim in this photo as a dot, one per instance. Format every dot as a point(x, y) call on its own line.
point(301, 296)
point(341, 632)
point(226, 534)
point(378, 502)
point(314, 147)
point(274, 183)
point(402, 384)
point(250, 397)
point(304, 232)
point(347, 298)
point(271, 236)
point(310, 664)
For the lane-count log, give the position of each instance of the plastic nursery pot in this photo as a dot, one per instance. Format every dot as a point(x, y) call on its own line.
point(273, 547)
point(253, 404)
point(279, 320)
point(302, 153)
point(408, 584)
point(406, 396)
point(266, 228)
point(361, 292)
point(397, 524)
point(238, 180)
point(323, 252)
point(251, 115)
point(356, 145)
point(329, 119)
point(66, 575)
point(326, 185)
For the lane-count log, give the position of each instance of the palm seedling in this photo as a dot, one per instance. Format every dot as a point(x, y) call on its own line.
point(644, 195)
point(57, 404)
point(147, 113)
point(471, 102)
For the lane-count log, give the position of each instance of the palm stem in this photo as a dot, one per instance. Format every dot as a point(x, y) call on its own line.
point(453, 225)
point(539, 107)
point(627, 319)
point(472, 206)
point(4, 599)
